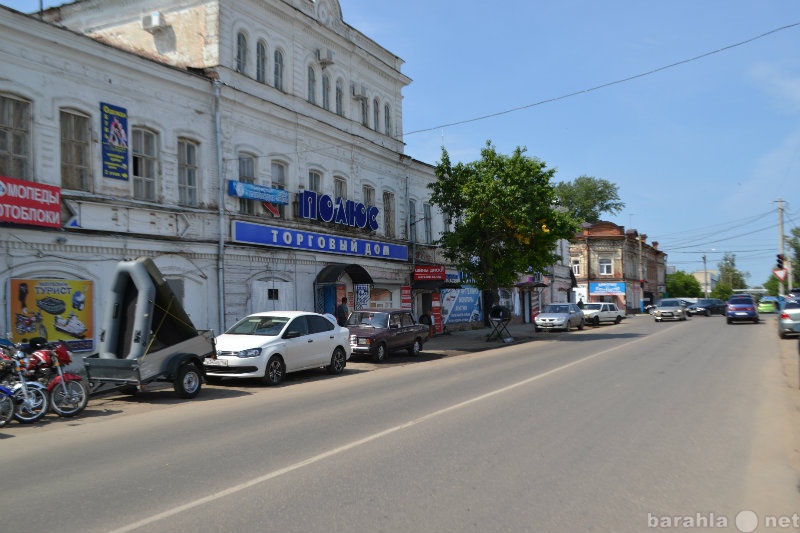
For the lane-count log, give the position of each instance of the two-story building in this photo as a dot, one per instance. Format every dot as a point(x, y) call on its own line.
point(614, 265)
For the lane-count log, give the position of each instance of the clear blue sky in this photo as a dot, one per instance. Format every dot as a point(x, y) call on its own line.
point(687, 106)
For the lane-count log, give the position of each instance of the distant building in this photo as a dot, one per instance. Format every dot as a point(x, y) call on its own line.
point(614, 265)
point(707, 279)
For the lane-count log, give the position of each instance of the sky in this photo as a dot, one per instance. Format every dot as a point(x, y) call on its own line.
point(690, 107)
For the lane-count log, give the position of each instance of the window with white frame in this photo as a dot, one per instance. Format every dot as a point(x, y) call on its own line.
point(368, 196)
point(339, 98)
point(388, 214)
point(314, 181)
point(312, 85)
point(340, 188)
point(605, 266)
point(247, 174)
point(426, 213)
point(278, 70)
point(446, 222)
point(15, 137)
point(365, 112)
point(76, 171)
point(387, 120)
point(576, 267)
point(145, 164)
point(278, 171)
point(261, 62)
point(376, 115)
point(241, 53)
point(326, 92)
point(412, 221)
point(187, 173)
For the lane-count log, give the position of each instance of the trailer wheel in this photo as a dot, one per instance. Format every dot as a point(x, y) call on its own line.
point(188, 381)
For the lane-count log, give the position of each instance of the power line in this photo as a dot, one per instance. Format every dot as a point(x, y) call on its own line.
point(604, 85)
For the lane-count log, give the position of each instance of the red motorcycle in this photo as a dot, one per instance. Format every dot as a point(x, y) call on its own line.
point(68, 392)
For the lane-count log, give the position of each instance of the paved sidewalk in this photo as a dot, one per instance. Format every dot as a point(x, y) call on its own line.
point(475, 340)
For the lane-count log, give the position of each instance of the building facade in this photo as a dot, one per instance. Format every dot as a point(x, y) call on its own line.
point(253, 149)
point(611, 264)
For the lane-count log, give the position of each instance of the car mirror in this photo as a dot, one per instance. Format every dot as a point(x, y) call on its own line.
point(394, 326)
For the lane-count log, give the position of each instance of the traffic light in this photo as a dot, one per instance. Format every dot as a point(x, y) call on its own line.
point(780, 260)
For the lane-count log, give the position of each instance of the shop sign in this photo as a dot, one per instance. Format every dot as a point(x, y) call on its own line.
point(607, 288)
point(405, 297)
point(461, 305)
point(315, 242)
point(114, 123)
point(429, 273)
point(53, 309)
point(251, 191)
point(315, 206)
point(26, 202)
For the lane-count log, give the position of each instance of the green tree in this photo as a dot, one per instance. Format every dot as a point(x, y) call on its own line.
point(771, 286)
point(682, 284)
point(794, 243)
point(723, 291)
point(503, 213)
point(587, 197)
point(729, 274)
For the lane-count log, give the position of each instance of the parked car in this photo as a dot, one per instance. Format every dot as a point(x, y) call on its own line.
point(268, 345)
point(769, 304)
point(741, 307)
point(597, 312)
point(706, 307)
point(789, 319)
point(376, 332)
point(670, 309)
point(563, 316)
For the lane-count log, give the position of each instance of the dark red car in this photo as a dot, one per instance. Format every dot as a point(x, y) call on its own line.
point(376, 332)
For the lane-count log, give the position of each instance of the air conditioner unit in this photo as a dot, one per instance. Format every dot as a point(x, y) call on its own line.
point(358, 94)
point(325, 57)
point(153, 22)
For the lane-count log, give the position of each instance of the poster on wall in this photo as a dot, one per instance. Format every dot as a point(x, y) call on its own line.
point(56, 309)
point(115, 141)
point(461, 305)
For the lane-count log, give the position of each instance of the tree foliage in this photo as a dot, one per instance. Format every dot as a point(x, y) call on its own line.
point(503, 214)
point(587, 197)
point(794, 243)
point(681, 284)
point(729, 274)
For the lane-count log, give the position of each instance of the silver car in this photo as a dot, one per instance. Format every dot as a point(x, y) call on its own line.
point(789, 319)
point(670, 309)
point(561, 316)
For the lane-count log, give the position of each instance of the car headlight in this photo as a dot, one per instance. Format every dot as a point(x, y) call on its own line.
point(252, 352)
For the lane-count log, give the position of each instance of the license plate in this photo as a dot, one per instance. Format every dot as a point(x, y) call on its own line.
point(741, 314)
point(215, 362)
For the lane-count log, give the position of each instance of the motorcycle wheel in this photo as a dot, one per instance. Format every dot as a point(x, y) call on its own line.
point(6, 409)
point(28, 412)
point(71, 401)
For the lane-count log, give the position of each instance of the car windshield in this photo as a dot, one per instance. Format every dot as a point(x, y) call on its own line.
point(368, 318)
point(269, 326)
point(556, 309)
point(670, 303)
point(592, 307)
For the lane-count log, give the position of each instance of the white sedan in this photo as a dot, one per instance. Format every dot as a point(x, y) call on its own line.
point(268, 345)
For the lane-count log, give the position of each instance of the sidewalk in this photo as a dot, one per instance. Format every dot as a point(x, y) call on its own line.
point(475, 340)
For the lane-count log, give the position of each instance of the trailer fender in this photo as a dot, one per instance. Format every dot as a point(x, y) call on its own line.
point(181, 359)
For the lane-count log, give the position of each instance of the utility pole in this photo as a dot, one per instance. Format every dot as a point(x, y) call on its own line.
point(705, 275)
point(781, 285)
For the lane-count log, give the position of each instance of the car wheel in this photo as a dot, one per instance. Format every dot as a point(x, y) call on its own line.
point(755, 320)
point(338, 362)
point(188, 381)
point(708, 313)
point(729, 321)
point(415, 348)
point(380, 354)
point(658, 320)
point(596, 321)
point(618, 320)
point(580, 325)
point(274, 372)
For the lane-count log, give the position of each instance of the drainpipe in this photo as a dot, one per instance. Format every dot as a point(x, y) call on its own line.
point(221, 215)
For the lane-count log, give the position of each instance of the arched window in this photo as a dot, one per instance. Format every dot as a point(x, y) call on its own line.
point(187, 173)
point(76, 162)
point(144, 154)
point(339, 98)
point(15, 138)
point(326, 92)
point(312, 85)
point(278, 171)
point(376, 114)
point(241, 53)
point(278, 75)
point(388, 214)
point(247, 174)
point(261, 62)
point(387, 120)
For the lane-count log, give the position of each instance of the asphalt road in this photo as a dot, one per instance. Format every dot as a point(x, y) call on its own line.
point(617, 428)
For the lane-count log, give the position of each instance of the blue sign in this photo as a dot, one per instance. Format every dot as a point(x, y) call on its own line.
point(315, 206)
point(608, 288)
point(461, 305)
point(315, 242)
point(115, 141)
point(250, 191)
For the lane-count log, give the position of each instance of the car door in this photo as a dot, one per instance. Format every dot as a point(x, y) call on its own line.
point(321, 331)
point(299, 352)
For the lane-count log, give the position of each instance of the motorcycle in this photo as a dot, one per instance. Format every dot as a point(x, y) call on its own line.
point(6, 403)
point(68, 392)
point(31, 400)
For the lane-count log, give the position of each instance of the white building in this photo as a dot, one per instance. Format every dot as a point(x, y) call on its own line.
point(216, 137)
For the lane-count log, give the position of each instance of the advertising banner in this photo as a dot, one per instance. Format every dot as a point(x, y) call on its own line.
point(429, 273)
point(56, 309)
point(115, 141)
point(29, 203)
point(461, 305)
point(607, 288)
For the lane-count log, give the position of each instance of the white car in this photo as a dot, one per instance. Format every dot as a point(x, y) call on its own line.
point(596, 312)
point(268, 345)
